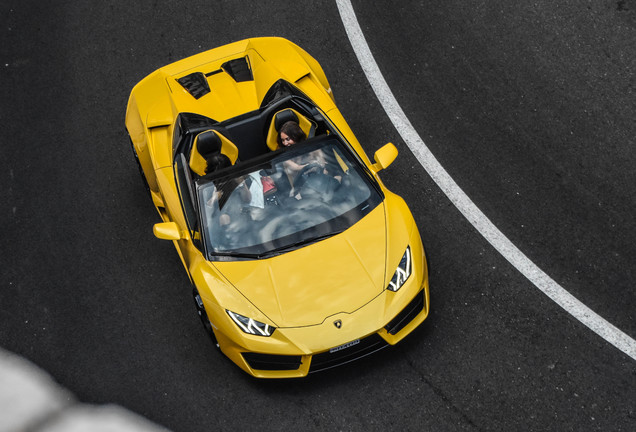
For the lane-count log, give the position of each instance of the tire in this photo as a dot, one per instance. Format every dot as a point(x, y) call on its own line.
point(207, 325)
point(141, 170)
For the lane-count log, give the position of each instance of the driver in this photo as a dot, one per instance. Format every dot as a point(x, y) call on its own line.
point(289, 134)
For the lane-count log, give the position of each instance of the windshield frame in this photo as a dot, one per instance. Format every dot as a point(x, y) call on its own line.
point(309, 234)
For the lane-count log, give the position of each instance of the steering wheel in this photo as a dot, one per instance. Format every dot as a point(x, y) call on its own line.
point(307, 171)
point(310, 168)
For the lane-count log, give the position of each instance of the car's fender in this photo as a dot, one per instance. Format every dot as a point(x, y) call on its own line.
point(149, 118)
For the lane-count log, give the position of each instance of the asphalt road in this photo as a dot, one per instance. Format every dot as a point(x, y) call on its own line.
point(528, 105)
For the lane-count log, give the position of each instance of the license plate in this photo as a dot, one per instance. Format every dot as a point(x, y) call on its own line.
point(345, 346)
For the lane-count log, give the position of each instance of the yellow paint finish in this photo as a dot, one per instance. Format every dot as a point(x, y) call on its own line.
point(302, 292)
point(341, 273)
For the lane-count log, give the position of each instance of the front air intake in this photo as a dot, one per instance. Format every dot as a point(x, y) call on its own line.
point(407, 315)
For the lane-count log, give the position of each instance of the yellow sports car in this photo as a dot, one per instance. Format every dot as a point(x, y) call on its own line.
point(300, 258)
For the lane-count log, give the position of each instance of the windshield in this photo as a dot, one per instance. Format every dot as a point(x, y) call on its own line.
point(288, 199)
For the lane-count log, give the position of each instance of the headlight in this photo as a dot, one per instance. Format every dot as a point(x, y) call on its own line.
point(403, 271)
point(251, 326)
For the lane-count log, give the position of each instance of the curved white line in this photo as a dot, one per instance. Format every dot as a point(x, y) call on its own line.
point(457, 196)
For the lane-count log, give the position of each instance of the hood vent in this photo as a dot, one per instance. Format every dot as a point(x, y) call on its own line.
point(196, 84)
point(239, 69)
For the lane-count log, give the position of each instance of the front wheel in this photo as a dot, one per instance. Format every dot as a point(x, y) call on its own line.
point(207, 325)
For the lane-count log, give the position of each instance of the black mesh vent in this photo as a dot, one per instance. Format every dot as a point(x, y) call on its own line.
point(239, 69)
point(271, 361)
point(407, 314)
point(366, 346)
point(196, 84)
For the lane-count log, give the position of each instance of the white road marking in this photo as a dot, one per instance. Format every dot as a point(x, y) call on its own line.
point(457, 196)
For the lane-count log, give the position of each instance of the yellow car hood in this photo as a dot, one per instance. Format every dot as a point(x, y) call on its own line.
point(304, 287)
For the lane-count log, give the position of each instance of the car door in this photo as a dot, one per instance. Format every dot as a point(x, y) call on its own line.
point(190, 246)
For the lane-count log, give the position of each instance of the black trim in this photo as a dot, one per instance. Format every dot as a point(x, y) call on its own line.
point(218, 71)
point(188, 198)
point(407, 315)
point(279, 90)
point(366, 346)
point(272, 361)
point(141, 170)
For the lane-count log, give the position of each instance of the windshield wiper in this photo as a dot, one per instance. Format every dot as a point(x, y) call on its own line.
point(303, 242)
point(237, 255)
point(278, 250)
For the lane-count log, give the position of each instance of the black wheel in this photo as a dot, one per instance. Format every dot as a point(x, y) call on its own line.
point(141, 170)
point(207, 325)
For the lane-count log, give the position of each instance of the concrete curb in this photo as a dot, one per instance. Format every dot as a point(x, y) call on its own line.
point(31, 401)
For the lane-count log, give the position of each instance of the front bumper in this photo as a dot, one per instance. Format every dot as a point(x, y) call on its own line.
point(343, 337)
point(299, 364)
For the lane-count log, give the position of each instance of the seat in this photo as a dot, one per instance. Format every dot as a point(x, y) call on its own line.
point(282, 117)
point(208, 143)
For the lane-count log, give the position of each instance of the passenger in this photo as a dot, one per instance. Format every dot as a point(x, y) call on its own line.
point(228, 202)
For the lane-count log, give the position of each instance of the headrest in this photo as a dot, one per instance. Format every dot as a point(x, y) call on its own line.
point(283, 117)
point(208, 143)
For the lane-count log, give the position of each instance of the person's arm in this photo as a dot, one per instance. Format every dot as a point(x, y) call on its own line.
point(293, 166)
point(244, 192)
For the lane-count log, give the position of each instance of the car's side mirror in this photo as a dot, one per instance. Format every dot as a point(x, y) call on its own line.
point(167, 231)
point(384, 157)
